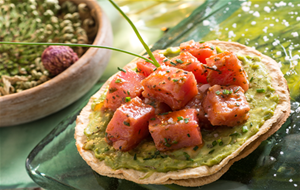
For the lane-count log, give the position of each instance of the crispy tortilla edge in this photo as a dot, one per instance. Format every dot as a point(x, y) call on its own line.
point(201, 175)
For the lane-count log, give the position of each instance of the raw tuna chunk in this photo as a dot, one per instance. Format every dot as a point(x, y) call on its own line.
point(197, 104)
point(200, 50)
point(146, 68)
point(188, 62)
point(175, 130)
point(124, 84)
point(226, 69)
point(226, 105)
point(129, 125)
point(170, 85)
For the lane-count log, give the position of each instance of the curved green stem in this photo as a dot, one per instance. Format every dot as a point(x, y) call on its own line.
point(78, 45)
point(155, 63)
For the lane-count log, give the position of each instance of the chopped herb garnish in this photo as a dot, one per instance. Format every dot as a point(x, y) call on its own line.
point(172, 63)
point(214, 143)
point(153, 118)
point(155, 69)
point(186, 120)
point(128, 92)
point(165, 113)
point(165, 60)
point(225, 92)
point(238, 105)
point(212, 48)
point(120, 69)
point(195, 148)
point(201, 42)
point(230, 91)
point(179, 61)
point(187, 156)
point(234, 134)
point(118, 81)
point(245, 129)
point(210, 152)
point(188, 135)
point(251, 79)
point(166, 144)
point(126, 123)
point(180, 118)
point(175, 80)
point(127, 99)
point(220, 142)
point(134, 157)
point(261, 90)
point(174, 142)
point(167, 71)
point(188, 63)
point(251, 124)
point(217, 92)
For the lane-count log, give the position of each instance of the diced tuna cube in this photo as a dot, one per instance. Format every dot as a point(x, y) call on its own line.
point(146, 68)
point(129, 125)
point(124, 84)
point(175, 130)
point(170, 85)
point(188, 62)
point(226, 105)
point(226, 69)
point(199, 50)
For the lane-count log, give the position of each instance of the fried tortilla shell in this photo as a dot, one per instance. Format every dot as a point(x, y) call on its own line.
point(204, 174)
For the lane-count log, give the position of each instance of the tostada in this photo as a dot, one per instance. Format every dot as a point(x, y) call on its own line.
point(186, 122)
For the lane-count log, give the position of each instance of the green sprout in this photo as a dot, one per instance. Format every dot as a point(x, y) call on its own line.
point(155, 63)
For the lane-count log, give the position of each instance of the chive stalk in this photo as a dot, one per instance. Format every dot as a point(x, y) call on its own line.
point(261, 90)
point(155, 63)
point(77, 45)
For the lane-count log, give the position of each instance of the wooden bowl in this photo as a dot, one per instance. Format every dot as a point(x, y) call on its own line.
point(65, 88)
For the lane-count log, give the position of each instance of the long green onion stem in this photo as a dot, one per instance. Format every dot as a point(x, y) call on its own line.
point(78, 45)
point(155, 63)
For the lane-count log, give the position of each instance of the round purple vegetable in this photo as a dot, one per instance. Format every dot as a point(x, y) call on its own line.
point(56, 59)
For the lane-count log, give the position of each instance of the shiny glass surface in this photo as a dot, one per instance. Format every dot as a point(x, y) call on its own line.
point(275, 164)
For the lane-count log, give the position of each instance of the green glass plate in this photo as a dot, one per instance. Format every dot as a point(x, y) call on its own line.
point(269, 26)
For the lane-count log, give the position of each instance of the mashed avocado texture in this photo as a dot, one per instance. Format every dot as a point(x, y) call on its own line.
point(217, 143)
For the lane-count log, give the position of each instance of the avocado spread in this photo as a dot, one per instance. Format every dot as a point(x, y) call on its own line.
point(217, 143)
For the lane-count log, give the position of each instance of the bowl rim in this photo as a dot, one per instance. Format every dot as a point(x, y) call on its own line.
point(99, 13)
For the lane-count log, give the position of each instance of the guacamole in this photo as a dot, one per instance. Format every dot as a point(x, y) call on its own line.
point(217, 143)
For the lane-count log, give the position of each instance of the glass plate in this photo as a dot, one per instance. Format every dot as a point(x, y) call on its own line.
point(269, 26)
